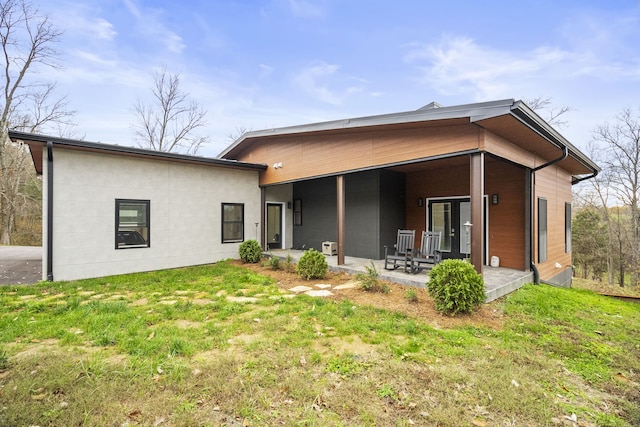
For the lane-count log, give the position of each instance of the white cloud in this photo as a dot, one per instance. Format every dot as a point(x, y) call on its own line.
point(460, 66)
point(317, 80)
point(306, 9)
point(150, 24)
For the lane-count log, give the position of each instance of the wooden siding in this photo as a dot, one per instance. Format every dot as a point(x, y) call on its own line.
point(553, 184)
point(506, 219)
point(304, 156)
point(500, 147)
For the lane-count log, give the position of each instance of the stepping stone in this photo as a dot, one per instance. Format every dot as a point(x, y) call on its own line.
point(319, 293)
point(242, 299)
point(323, 286)
point(300, 289)
point(348, 285)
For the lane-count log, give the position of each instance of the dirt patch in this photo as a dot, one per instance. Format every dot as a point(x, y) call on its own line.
point(488, 315)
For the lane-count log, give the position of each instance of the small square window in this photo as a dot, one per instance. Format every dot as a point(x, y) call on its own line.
point(232, 222)
point(132, 223)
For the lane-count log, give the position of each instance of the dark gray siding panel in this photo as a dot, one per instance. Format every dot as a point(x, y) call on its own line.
point(319, 219)
point(375, 210)
point(362, 216)
point(392, 208)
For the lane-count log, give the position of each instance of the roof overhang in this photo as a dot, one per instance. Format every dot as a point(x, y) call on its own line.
point(509, 119)
point(36, 142)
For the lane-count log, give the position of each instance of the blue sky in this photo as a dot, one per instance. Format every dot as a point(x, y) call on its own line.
point(256, 64)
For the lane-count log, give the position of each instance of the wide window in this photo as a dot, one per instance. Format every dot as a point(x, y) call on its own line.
point(542, 230)
point(132, 223)
point(232, 222)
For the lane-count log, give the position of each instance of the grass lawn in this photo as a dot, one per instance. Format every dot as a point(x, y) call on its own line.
point(223, 345)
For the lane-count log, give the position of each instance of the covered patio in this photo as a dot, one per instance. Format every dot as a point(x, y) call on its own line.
point(499, 281)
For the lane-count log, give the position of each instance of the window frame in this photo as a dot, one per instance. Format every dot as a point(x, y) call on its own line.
point(146, 225)
point(224, 222)
point(297, 212)
point(543, 230)
point(567, 227)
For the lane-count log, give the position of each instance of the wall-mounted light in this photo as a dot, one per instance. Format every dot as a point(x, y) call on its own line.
point(288, 205)
point(277, 165)
point(420, 202)
point(494, 199)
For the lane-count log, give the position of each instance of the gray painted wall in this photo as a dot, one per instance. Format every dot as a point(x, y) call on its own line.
point(375, 209)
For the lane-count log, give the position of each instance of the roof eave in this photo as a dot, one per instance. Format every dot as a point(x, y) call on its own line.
point(119, 149)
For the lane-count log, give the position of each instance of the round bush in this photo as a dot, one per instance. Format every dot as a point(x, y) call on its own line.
point(456, 287)
point(250, 251)
point(312, 265)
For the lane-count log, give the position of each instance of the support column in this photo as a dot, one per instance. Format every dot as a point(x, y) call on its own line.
point(263, 209)
point(476, 187)
point(341, 214)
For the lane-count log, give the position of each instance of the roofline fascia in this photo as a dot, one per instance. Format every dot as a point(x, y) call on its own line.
point(120, 149)
point(531, 119)
point(470, 111)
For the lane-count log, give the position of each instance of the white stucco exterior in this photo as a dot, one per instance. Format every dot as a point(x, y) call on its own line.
point(185, 212)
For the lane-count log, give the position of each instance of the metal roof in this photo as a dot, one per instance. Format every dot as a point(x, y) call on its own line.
point(475, 113)
point(30, 138)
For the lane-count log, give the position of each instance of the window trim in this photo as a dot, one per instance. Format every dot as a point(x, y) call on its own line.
point(567, 228)
point(223, 223)
point(297, 212)
point(543, 230)
point(147, 206)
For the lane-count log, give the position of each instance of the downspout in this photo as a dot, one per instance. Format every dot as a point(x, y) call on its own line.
point(50, 211)
point(565, 154)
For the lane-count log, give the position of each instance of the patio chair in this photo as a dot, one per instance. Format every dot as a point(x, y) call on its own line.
point(400, 254)
point(429, 253)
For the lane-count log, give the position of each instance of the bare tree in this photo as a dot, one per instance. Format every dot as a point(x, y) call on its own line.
point(544, 106)
point(168, 124)
point(620, 144)
point(28, 41)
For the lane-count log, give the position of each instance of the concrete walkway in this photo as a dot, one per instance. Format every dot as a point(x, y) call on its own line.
point(498, 281)
point(20, 265)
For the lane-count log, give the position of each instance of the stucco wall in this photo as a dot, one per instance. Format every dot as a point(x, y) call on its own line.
point(185, 212)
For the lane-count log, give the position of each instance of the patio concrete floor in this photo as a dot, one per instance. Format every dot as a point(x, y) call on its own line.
point(498, 281)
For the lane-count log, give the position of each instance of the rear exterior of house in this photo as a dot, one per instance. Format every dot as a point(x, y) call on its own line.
point(497, 166)
point(113, 210)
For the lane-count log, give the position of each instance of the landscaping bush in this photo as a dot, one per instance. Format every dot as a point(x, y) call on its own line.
point(456, 287)
point(370, 281)
point(250, 251)
point(312, 265)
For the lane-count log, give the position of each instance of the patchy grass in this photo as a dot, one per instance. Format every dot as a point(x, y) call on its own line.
point(222, 345)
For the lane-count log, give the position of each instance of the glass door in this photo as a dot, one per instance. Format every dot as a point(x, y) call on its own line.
point(449, 217)
point(274, 226)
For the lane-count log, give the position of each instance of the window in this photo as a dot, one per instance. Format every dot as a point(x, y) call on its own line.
point(542, 230)
point(232, 222)
point(297, 212)
point(567, 227)
point(132, 223)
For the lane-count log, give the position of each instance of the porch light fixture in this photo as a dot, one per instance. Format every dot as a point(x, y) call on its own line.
point(467, 227)
point(494, 199)
point(420, 202)
point(288, 205)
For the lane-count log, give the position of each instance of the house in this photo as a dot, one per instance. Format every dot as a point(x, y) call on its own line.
point(496, 167)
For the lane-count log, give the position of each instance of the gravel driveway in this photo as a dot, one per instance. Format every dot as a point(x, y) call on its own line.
point(20, 265)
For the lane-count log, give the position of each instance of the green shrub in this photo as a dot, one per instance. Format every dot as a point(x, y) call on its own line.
point(370, 281)
point(312, 265)
point(250, 251)
point(289, 265)
point(411, 295)
point(455, 287)
point(274, 263)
